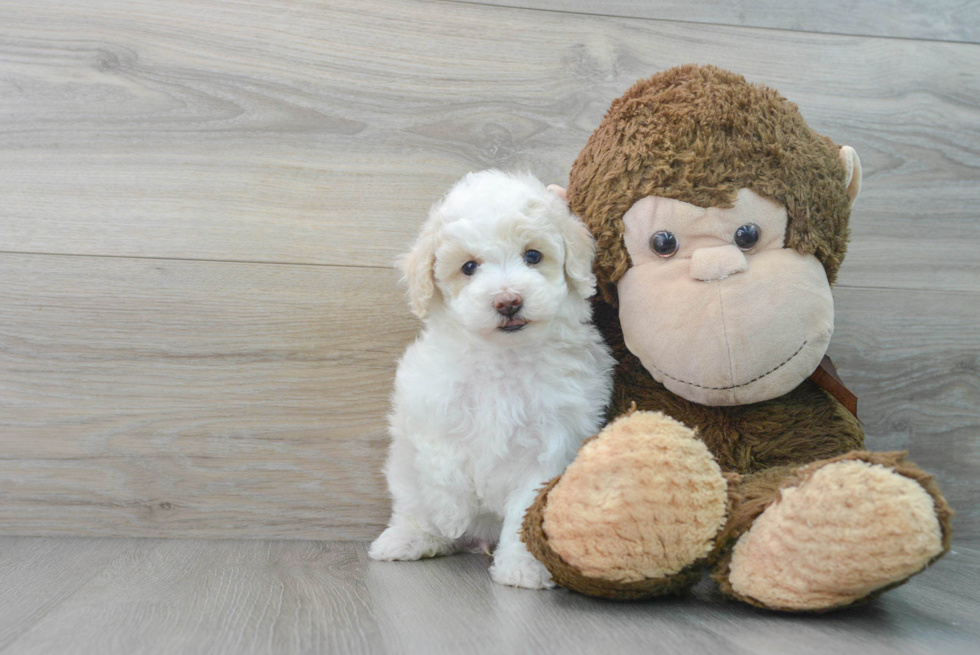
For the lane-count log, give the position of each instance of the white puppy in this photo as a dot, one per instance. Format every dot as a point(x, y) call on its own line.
point(507, 379)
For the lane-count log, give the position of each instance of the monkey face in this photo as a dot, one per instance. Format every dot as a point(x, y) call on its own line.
point(715, 307)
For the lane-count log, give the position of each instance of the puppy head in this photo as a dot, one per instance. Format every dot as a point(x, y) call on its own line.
point(500, 254)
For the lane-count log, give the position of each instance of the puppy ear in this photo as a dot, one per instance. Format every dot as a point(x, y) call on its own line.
point(418, 267)
point(579, 251)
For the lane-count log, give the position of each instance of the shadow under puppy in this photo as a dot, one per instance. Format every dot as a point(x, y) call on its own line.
point(507, 378)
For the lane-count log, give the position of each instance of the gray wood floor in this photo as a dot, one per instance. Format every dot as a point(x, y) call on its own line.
point(127, 596)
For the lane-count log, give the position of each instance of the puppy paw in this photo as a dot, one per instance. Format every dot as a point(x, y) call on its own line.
point(524, 572)
point(406, 543)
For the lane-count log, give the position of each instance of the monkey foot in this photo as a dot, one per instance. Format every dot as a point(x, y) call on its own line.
point(635, 514)
point(849, 529)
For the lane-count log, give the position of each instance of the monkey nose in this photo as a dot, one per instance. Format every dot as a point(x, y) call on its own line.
point(508, 304)
point(717, 263)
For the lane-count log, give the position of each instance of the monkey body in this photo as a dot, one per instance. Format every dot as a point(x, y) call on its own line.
point(802, 426)
point(759, 449)
point(721, 220)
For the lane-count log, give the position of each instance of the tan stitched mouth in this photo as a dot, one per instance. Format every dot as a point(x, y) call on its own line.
point(736, 386)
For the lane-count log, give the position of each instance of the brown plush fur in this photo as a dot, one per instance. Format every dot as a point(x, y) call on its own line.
point(698, 134)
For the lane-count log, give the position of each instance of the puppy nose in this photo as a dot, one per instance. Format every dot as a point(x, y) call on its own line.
point(717, 263)
point(508, 304)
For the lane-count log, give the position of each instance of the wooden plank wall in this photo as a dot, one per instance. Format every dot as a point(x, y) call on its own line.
point(938, 20)
point(200, 201)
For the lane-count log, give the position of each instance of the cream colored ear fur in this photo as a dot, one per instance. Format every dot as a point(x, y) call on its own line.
point(418, 267)
point(853, 165)
point(579, 250)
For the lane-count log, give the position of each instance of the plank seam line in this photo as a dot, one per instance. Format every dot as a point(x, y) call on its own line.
point(694, 22)
point(859, 287)
point(193, 259)
point(386, 268)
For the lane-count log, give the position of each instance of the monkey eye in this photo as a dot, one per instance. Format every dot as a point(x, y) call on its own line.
point(469, 268)
point(747, 236)
point(663, 244)
point(532, 257)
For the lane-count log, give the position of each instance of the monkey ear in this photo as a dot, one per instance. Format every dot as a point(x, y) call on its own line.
point(558, 191)
point(418, 267)
point(852, 164)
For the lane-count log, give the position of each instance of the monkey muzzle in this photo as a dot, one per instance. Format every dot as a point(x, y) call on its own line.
point(744, 338)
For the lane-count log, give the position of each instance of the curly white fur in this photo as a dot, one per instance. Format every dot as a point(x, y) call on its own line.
point(482, 417)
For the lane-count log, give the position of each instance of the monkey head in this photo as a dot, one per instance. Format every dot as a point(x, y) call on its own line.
point(721, 221)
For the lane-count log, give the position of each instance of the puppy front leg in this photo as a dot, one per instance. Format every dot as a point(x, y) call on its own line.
point(512, 563)
point(429, 503)
point(449, 497)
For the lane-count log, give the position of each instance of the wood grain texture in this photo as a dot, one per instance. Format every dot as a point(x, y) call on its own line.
point(38, 575)
point(239, 597)
point(309, 132)
point(913, 359)
point(200, 200)
point(176, 398)
point(153, 397)
point(941, 20)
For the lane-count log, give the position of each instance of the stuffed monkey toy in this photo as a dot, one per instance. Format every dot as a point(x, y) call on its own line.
point(721, 220)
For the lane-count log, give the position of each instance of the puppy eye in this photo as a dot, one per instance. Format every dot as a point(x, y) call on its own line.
point(532, 257)
point(747, 236)
point(663, 244)
point(469, 268)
